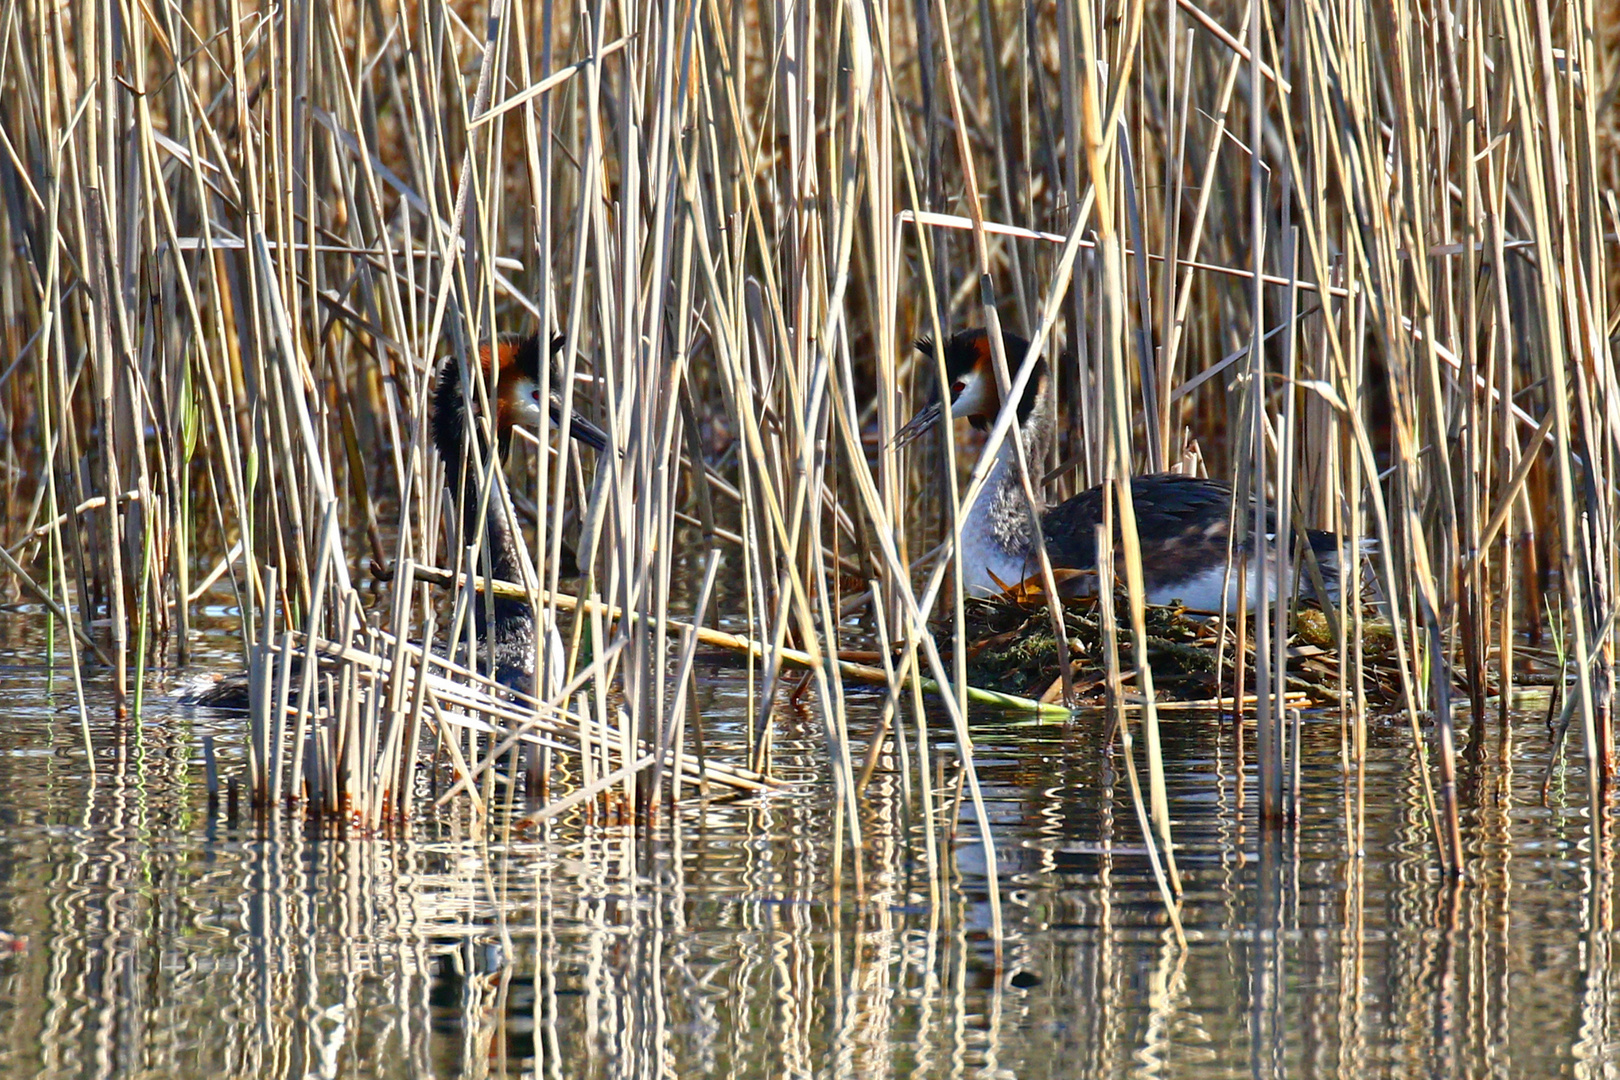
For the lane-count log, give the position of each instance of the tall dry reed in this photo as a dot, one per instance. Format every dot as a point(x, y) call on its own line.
point(1353, 258)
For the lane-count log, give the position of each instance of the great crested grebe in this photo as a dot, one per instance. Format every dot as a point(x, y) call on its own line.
point(1180, 520)
point(506, 637)
point(508, 640)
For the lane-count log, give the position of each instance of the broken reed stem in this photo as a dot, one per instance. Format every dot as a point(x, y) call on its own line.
point(734, 642)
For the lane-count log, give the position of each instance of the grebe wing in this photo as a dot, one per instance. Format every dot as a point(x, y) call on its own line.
point(1179, 519)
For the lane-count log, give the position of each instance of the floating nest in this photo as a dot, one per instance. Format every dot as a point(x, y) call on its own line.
point(1012, 648)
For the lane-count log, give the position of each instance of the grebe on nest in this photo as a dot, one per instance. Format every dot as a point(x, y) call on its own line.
point(1181, 521)
point(506, 638)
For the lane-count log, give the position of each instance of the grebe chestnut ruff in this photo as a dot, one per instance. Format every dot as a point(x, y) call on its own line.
point(506, 646)
point(1181, 521)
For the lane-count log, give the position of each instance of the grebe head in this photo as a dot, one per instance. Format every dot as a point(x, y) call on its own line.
point(518, 392)
point(971, 379)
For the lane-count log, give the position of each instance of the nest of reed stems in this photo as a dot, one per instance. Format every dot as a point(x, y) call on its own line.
point(1011, 648)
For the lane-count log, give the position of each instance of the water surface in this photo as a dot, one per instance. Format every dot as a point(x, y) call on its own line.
point(748, 939)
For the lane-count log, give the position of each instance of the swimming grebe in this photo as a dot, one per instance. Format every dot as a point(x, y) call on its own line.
point(509, 640)
point(512, 368)
point(1180, 520)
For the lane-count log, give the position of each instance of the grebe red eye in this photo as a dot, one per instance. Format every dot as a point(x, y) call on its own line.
point(956, 389)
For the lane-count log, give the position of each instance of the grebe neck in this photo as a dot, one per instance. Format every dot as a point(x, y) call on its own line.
point(510, 636)
point(998, 535)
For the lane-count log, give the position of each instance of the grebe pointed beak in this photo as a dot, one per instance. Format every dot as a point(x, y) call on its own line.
point(581, 429)
point(925, 419)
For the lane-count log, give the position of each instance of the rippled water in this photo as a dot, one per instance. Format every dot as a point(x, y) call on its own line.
point(744, 940)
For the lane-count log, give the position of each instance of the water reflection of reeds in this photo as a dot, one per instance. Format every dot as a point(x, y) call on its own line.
point(163, 942)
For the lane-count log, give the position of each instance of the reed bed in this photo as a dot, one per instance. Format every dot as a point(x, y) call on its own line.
point(1354, 260)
